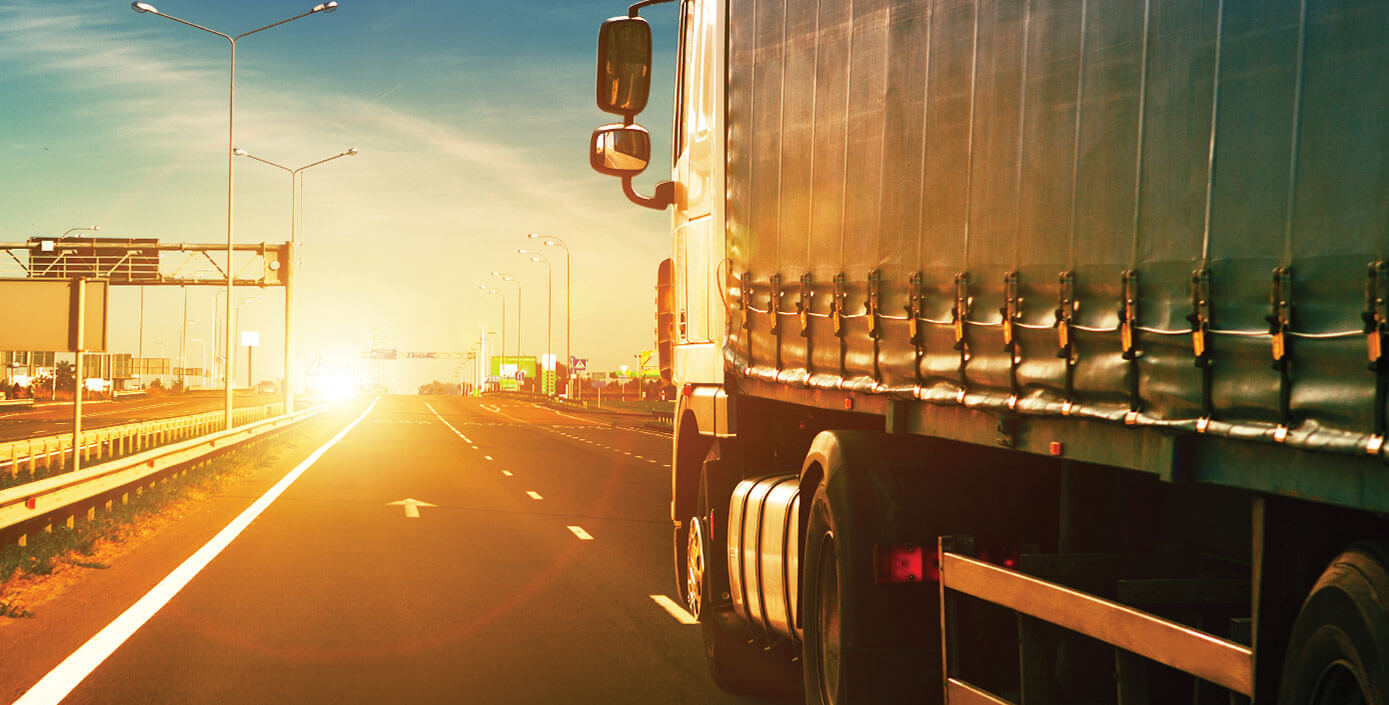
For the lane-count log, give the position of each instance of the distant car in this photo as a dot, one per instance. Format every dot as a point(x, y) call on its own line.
point(267, 387)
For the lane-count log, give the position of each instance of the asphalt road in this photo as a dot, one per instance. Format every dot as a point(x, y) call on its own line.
point(50, 418)
point(528, 577)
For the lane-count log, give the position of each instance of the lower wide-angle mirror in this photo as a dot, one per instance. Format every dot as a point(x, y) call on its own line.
point(620, 150)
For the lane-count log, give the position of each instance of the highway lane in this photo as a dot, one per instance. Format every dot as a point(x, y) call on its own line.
point(51, 418)
point(527, 577)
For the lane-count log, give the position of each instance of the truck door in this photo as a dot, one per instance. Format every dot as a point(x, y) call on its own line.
point(698, 214)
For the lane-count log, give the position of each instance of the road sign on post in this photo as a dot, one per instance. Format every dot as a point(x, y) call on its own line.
point(40, 314)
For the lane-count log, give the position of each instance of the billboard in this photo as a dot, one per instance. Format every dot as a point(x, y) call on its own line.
point(150, 365)
point(38, 315)
point(108, 366)
point(512, 370)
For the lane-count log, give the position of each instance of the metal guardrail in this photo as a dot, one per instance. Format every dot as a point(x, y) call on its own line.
point(51, 495)
point(29, 454)
point(662, 417)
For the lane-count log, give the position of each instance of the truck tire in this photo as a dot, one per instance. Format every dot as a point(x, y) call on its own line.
point(822, 653)
point(1339, 648)
point(738, 663)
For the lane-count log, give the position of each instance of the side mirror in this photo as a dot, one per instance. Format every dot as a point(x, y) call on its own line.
point(624, 65)
point(620, 150)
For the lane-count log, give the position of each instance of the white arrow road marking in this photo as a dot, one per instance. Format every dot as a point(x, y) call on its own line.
point(412, 506)
point(675, 610)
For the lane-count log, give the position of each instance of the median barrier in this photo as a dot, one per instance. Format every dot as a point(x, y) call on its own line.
point(72, 492)
point(28, 454)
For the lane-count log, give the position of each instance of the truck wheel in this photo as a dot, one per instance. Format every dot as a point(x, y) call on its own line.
point(822, 655)
point(1339, 649)
point(737, 663)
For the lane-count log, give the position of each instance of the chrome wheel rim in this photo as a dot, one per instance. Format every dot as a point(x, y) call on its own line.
point(694, 568)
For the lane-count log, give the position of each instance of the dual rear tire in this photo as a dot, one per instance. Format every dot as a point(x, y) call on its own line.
point(1338, 653)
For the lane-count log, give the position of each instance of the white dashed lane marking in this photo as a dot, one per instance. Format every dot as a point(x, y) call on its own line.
point(675, 610)
point(533, 494)
point(579, 532)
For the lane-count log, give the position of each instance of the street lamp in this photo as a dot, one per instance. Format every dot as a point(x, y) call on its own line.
point(286, 276)
point(202, 347)
point(568, 360)
point(93, 228)
point(549, 298)
point(144, 7)
point(183, 335)
point(512, 278)
point(488, 290)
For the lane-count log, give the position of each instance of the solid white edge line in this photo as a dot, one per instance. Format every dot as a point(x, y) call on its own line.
point(66, 676)
point(675, 610)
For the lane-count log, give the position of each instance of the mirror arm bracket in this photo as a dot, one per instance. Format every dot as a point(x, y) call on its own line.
point(635, 9)
point(660, 200)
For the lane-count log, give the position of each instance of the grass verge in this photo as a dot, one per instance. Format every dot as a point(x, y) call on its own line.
point(35, 573)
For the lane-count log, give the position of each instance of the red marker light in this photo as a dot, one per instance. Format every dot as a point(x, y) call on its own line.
point(899, 564)
point(31, 503)
point(848, 403)
point(1055, 448)
point(687, 390)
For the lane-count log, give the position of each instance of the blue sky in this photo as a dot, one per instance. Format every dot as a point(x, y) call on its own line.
point(472, 119)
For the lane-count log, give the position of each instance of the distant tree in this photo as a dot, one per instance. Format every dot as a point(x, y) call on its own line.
point(42, 387)
point(65, 376)
point(437, 387)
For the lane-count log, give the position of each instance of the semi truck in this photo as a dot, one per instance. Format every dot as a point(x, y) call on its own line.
point(1027, 351)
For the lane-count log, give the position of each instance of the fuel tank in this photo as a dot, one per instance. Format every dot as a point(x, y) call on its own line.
point(764, 553)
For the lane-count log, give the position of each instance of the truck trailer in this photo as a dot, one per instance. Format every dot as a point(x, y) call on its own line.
point(1027, 351)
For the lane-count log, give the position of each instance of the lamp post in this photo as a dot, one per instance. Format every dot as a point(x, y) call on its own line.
point(512, 278)
point(549, 298)
point(202, 347)
point(144, 7)
point(291, 265)
point(502, 347)
point(568, 360)
point(183, 335)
